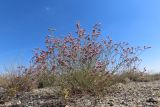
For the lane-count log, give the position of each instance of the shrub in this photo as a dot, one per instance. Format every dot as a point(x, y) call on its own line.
point(86, 52)
point(150, 77)
point(18, 81)
point(83, 62)
point(128, 76)
point(136, 76)
point(79, 63)
point(3, 81)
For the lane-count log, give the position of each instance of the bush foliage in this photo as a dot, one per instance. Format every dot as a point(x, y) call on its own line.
point(85, 51)
point(79, 63)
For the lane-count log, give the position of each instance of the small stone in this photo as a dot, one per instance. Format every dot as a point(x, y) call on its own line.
point(87, 102)
point(124, 103)
point(151, 100)
point(40, 102)
point(140, 106)
point(18, 102)
point(110, 103)
point(2, 102)
point(155, 89)
point(7, 104)
point(127, 80)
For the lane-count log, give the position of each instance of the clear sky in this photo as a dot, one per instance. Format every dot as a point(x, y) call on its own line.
point(24, 24)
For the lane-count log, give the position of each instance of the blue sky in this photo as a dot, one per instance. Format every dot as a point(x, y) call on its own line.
point(24, 24)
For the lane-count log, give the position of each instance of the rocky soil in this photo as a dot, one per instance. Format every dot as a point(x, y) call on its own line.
point(132, 94)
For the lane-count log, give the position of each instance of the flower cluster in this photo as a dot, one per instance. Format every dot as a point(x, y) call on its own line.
point(85, 51)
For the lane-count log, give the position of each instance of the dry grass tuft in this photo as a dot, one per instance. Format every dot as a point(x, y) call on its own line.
point(85, 82)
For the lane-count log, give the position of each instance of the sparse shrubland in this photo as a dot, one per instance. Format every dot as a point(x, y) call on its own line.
point(79, 63)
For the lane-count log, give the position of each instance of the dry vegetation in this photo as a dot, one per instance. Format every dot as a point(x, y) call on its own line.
point(78, 64)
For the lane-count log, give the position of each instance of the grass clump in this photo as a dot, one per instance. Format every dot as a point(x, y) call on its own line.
point(128, 76)
point(85, 82)
point(136, 76)
point(16, 80)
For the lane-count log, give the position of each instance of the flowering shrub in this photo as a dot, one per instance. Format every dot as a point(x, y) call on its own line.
point(83, 62)
point(86, 52)
point(78, 63)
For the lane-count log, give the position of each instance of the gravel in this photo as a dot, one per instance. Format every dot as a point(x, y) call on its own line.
point(132, 94)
